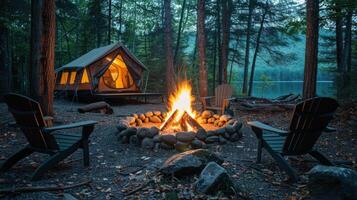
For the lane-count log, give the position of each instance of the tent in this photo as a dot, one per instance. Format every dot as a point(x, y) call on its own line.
point(108, 69)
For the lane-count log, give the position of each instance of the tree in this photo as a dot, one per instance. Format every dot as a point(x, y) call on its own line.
point(247, 47)
point(226, 25)
point(42, 52)
point(170, 74)
point(311, 50)
point(179, 32)
point(203, 85)
point(109, 21)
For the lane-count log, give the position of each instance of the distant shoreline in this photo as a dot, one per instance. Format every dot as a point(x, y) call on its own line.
point(283, 81)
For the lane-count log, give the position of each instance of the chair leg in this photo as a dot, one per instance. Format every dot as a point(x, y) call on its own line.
point(23, 153)
point(51, 162)
point(259, 152)
point(320, 157)
point(283, 164)
point(85, 153)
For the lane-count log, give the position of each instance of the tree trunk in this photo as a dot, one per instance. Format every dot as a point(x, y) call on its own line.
point(247, 48)
point(347, 50)
point(5, 61)
point(311, 51)
point(42, 53)
point(120, 20)
point(339, 39)
point(170, 74)
point(251, 79)
point(226, 24)
point(109, 21)
point(177, 48)
point(218, 28)
point(201, 48)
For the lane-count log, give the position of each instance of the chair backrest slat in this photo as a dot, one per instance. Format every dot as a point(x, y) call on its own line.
point(309, 119)
point(28, 116)
point(222, 92)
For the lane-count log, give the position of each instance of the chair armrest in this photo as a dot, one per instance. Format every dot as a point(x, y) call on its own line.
point(206, 101)
point(69, 126)
point(262, 126)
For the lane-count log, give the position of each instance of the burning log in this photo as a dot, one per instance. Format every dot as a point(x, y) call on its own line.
point(183, 124)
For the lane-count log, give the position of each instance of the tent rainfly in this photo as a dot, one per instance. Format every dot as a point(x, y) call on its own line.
point(106, 69)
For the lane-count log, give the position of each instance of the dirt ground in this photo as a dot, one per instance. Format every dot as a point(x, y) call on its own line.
point(117, 169)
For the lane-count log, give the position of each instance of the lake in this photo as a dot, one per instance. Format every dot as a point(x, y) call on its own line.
point(272, 89)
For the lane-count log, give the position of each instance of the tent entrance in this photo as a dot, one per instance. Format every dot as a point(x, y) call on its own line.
point(116, 76)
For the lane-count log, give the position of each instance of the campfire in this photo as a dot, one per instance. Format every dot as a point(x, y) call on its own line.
point(181, 116)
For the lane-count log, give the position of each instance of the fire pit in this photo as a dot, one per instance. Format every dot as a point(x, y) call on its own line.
point(181, 127)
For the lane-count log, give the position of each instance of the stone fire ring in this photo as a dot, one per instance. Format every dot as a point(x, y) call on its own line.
point(131, 131)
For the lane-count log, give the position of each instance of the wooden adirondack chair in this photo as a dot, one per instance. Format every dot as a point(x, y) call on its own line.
point(220, 102)
point(29, 118)
point(309, 119)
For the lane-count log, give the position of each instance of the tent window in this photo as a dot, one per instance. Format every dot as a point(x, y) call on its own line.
point(117, 75)
point(64, 78)
point(85, 78)
point(73, 77)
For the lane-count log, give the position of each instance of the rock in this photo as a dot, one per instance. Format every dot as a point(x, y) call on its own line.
point(155, 119)
point(220, 131)
point(237, 126)
point(198, 144)
point(211, 133)
point(149, 114)
point(212, 139)
point(153, 131)
point(231, 121)
point(143, 132)
point(332, 182)
point(157, 113)
point(235, 137)
point(211, 120)
point(157, 138)
point(138, 122)
point(147, 143)
point(122, 125)
point(230, 129)
point(225, 118)
point(185, 136)
point(201, 120)
point(135, 116)
point(124, 140)
point(134, 140)
point(201, 134)
point(215, 123)
point(142, 117)
point(222, 140)
point(216, 116)
point(168, 139)
point(131, 120)
point(206, 114)
point(146, 120)
point(182, 146)
point(220, 123)
point(213, 178)
point(128, 132)
point(188, 162)
point(166, 146)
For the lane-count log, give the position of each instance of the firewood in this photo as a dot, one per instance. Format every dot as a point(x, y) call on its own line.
point(100, 106)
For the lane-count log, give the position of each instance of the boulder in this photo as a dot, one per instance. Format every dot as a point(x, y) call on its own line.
point(331, 182)
point(149, 114)
point(155, 119)
point(201, 134)
point(134, 140)
point(188, 162)
point(153, 131)
point(213, 178)
point(128, 132)
point(211, 133)
point(124, 140)
point(220, 123)
point(122, 125)
point(157, 113)
point(225, 118)
point(237, 126)
point(216, 116)
point(142, 117)
point(231, 121)
point(182, 146)
point(143, 132)
point(168, 139)
point(138, 122)
point(131, 120)
point(212, 139)
point(135, 116)
point(215, 123)
point(198, 144)
point(211, 120)
point(157, 138)
point(146, 120)
point(222, 140)
point(185, 136)
point(166, 146)
point(230, 129)
point(220, 131)
point(147, 143)
point(206, 114)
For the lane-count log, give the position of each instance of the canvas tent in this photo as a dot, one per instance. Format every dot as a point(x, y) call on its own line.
point(107, 69)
